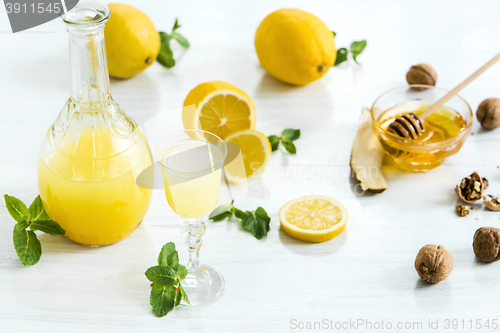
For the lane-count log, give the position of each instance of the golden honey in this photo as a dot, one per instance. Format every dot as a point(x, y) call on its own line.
point(441, 137)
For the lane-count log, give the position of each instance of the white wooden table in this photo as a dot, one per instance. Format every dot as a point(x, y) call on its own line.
point(273, 284)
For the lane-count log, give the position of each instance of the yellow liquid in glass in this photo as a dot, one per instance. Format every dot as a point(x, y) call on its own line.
point(192, 182)
point(96, 201)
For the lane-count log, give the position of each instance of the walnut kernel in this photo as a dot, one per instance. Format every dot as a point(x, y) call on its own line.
point(421, 74)
point(462, 210)
point(487, 244)
point(488, 113)
point(433, 263)
point(471, 188)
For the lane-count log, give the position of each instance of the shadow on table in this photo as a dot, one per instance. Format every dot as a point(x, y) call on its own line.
point(313, 249)
point(61, 244)
point(425, 295)
point(269, 84)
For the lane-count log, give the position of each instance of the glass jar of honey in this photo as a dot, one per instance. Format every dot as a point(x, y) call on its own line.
point(445, 130)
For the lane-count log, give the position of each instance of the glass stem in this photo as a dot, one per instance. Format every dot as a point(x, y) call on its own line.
point(193, 230)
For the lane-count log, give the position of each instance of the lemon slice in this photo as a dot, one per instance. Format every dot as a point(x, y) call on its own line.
point(255, 154)
point(313, 218)
point(219, 107)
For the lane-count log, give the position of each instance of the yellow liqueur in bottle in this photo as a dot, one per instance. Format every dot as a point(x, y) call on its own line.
point(93, 153)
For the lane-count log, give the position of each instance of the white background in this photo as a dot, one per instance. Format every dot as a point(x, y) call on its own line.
point(365, 273)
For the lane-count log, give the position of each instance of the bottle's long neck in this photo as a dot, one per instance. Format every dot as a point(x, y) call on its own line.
point(89, 69)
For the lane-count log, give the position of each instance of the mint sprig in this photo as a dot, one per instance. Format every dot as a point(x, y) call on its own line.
point(356, 48)
point(26, 243)
point(166, 56)
point(166, 291)
point(257, 222)
point(287, 137)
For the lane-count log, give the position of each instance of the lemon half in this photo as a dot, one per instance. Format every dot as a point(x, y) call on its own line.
point(313, 218)
point(220, 108)
point(255, 151)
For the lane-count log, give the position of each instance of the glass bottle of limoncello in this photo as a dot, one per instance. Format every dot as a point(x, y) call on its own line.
point(93, 153)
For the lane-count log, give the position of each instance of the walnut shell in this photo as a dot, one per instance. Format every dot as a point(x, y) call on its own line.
point(471, 188)
point(487, 244)
point(493, 204)
point(488, 113)
point(433, 263)
point(421, 74)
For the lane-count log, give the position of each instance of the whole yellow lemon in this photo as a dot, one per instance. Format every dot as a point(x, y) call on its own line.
point(132, 42)
point(294, 46)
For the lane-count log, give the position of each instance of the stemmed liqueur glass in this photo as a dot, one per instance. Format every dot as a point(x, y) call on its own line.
point(191, 162)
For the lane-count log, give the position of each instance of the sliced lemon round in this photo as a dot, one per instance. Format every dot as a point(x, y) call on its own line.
point(218, 107)
point(313, 218)
point(255, 152)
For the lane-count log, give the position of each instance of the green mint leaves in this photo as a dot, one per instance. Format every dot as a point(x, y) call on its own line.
point(356, 49)
point(26, 243)
point(257, 221)
point(287, 137)
point(341, 56)
point(166, 56)
point(167, 291)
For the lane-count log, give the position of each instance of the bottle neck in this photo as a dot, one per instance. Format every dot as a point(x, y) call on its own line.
point(89, 68)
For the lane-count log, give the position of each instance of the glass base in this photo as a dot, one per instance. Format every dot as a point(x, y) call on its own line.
point(415, 167)
point(205, 288)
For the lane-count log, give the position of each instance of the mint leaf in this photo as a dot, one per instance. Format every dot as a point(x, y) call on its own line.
point(334, 34)
point(180, 39)
point(274, 141)
point(17, 209)
point(23, 224)
point(161, 275)
point(289, 146)
point(257, 222)
point(290, 134)
point(166, 56)
point(341, 56)
point(162, 299)
point(176, 25)
point(357, 48)
point(27, 245)
point(168, 256)
point(183, 294)
point(220, 213)
point(37, 211)
point(239, 214)
point(50, 227)
point(181, 272)
point(178, 296)
point(164, 37)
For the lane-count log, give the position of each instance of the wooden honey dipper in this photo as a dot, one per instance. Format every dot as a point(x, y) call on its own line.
point(411, 126)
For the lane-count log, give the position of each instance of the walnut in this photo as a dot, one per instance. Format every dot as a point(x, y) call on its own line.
point(462, 210)
point(421, 74)
point(487, 244)
point(433, 263)
point(493, 204)
point(471, 188)
point(488, 113)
